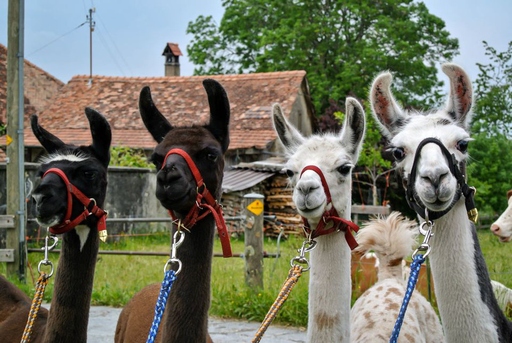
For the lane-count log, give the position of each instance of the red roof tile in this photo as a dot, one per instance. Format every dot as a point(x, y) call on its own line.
point(181, 99)
point(39, 86)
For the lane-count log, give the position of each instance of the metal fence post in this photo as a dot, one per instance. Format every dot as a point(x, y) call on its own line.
point(253, 204)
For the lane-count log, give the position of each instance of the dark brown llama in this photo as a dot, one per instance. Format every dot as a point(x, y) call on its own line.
point(86, 169)
point(186, 314)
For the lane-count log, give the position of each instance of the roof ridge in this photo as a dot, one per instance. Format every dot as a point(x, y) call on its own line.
point(195, 78)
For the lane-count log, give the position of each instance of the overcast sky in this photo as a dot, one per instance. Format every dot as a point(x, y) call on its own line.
point(130, 35)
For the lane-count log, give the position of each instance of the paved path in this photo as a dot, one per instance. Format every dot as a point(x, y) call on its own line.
point(103, 321)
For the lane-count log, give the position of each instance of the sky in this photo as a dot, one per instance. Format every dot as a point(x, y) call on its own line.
point(130, 35)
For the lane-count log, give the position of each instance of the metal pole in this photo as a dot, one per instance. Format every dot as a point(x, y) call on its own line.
point(15, 103)
point(91, 29)
point(21, 143)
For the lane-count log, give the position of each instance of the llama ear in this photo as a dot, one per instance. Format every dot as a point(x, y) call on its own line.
point(101, 135)
point(353, 127)
point(384, 106)
point(288, 135)
point(154, 121)
point(460, 100)
point(219, 112)
point(49, 142)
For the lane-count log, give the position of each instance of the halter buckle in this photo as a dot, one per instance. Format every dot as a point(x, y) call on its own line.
point(91, 201)
point(473, 215)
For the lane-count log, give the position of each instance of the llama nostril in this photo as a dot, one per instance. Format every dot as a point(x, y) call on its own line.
point(426, 179)
point(307, 188)
point(442, 177)
point(495, 228)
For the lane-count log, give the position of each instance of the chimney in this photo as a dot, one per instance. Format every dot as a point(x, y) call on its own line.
point(172, 55)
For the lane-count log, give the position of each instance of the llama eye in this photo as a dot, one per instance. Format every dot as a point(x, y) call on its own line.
point(90, 175)
point(462, 146)
point(344, 169)
point(290, 173)
point(398, 154)
point(212, 157)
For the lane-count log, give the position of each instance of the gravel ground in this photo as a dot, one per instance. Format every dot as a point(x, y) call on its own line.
point(103, 321)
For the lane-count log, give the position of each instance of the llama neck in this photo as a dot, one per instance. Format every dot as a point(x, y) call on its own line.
point(330, 288)
point(186, 313)
point(69, 313)
point(468, 308)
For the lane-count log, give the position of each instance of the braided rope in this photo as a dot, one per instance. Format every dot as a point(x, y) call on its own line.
point(288, 285)
point(169, 278)
point(42, 281)
point(413, 279)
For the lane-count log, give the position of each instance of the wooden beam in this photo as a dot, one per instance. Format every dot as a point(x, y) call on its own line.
point(369, 209)
point(7, 222)
point(6, 255)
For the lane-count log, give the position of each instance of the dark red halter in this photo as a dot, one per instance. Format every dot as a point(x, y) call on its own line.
point(68, 224)
point(339, 224)
point(210, 205)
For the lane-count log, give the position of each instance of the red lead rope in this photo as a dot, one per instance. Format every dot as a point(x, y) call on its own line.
point(339, 224)
point(209, 206)
point(67, 224)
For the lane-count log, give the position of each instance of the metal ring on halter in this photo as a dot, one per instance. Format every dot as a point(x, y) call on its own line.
point(301, 260)
point(94, 204)
point(46, 263)
point(198, 206)
point(173, 260)
point(422, 225)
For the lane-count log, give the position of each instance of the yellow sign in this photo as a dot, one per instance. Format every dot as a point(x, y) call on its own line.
point(256, 207)
point(8, 139)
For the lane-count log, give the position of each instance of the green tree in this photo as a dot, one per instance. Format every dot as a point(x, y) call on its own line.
point(128, 157)
point(493, 110)
point(341, 44)
point(491, 157)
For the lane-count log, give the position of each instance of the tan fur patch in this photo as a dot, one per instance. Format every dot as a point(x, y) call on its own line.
point(409, 337)
point(392, 307)
point(325, 321)
point(394, 291)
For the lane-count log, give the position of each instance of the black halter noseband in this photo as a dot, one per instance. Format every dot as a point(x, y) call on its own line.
point(417, 205)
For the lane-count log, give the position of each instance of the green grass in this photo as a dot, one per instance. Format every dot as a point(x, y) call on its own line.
point(118, 278)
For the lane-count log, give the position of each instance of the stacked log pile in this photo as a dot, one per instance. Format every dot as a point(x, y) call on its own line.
point(278, 201)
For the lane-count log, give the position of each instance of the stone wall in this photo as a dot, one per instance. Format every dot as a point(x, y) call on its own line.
point(130, 194)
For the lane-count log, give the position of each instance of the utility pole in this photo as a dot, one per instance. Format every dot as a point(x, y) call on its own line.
point(91, 29)
point(15, 144)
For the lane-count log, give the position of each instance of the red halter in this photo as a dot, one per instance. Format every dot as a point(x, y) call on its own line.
point(339, 224)
point(209, 206)
point(67, 224)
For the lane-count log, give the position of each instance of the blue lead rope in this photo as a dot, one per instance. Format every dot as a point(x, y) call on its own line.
point(413, 279)
point(169, 278)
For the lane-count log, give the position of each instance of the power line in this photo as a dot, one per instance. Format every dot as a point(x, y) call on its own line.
point(105, 44)
point(56, 39)
point(114, 44)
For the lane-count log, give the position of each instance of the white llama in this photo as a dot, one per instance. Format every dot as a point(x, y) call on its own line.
point(468, 308)
point(329, 283)
point(503, 226)
point(374, 313)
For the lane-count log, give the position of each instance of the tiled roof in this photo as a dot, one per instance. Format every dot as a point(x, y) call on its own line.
point(174, 49)
point(181, 99)
point(39, 86)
